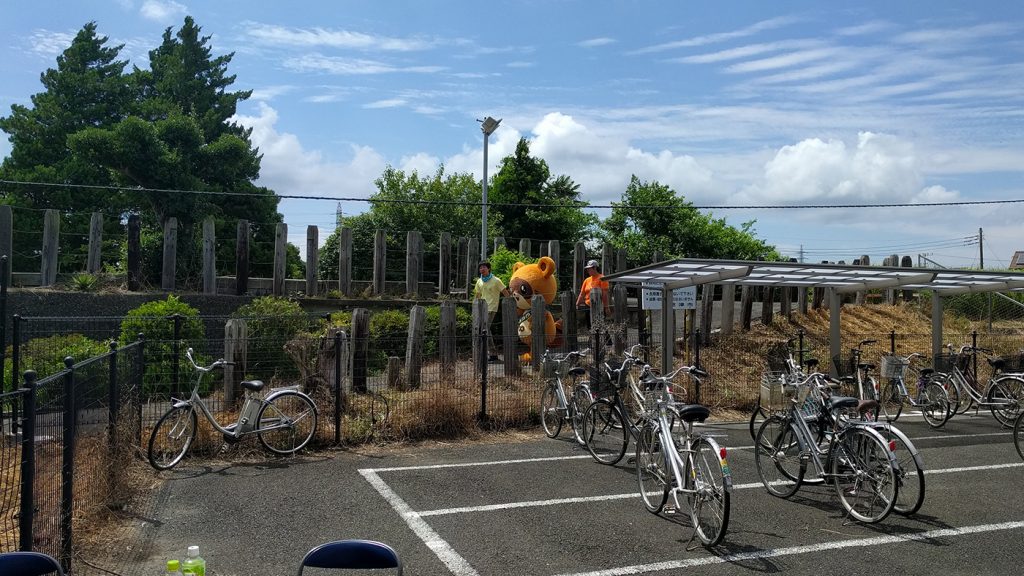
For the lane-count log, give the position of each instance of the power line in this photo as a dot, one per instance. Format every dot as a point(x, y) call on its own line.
point(462, 203)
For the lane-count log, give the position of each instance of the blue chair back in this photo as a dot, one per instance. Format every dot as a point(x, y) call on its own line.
point(352, 555)
point(29, 564)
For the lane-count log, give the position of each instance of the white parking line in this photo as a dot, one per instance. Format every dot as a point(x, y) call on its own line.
point(808, 549)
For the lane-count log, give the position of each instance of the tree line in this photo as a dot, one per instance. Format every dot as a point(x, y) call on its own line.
point(150, 142)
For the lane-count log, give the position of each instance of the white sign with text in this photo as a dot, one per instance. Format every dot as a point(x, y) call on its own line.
point(682, 298)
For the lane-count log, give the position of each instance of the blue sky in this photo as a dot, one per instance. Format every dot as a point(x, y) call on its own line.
point(731, 103)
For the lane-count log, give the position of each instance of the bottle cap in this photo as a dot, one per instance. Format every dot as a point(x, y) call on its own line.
point(193, 551)
point(173, 565)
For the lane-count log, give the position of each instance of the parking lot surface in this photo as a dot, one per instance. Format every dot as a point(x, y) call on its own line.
point(539, 506)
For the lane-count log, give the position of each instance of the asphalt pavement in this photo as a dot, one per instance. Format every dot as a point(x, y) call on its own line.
point(526, 504)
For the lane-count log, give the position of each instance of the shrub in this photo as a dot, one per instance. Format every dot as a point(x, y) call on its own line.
point(502, 261)
point(388, 332)
point(46, 357)
point(84, 282)
point(154, 320)
point(272, 322)
point(432, 328)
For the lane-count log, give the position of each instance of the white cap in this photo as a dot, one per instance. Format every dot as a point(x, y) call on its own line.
point(193, 551)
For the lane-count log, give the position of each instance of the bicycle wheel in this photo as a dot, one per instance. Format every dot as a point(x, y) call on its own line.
point(757, 416)
point(709, 501)
point(871, 392)
point(909, 474)
point(578, 404)
point(286, 423)
point(777, 456)
point(934, 404)
point(172, 436)
point(651, 472)
point(550, 414)
point(1018, 435)
point(864, 474)
point(1004, 399)
point(891, 402)
point(605, 431)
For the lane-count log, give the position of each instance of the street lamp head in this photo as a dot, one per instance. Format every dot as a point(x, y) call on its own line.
point(489, 125)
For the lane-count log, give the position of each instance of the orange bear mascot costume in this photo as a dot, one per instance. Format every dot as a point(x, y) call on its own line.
point(527, 281)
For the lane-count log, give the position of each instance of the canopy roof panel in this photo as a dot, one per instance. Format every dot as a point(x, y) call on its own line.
point(844, 278)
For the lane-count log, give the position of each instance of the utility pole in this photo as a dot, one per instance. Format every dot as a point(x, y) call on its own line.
point(981, 248)
point(801, 253)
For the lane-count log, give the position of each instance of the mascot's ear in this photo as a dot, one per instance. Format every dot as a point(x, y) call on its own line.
point(517, 266)
point(546, 265)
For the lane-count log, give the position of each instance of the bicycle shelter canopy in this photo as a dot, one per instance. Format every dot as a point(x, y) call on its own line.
point(838, 279)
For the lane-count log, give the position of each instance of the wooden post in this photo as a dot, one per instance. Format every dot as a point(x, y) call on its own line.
point(414, 347)
point(170, 254)
point(728, 307)
point(657, 257)
point(510, 336)
point(819, 295)
point(907, 262)
point(444, 268)
point(380, 253)
point(280, 258)
point(543, 250)
point(94, 264)
point(499, 242)
point(620, 316)
point(345, 262)
point(553, 249)
point(236, 332)
point(607, 258)
point(412, 263)
point(620, 260)
point(865, 260)
point(312, 260)
point(460, 262)
point(525, 247)
point(538, 337)
point(134, 252)
point(394, 373)
point(209, 256)
point(892, 294)
point(472, 259)
point(707, 307)
point(360, 348)
point(579, 260)
point(746, 306)
point(51, 243)
point(568, 300)
point(479, 325)
point(7, 239)
point(767, 305)
point(446, 336)
point(596, 316)
point(242, 258)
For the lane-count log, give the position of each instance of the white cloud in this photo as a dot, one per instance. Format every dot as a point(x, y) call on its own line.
point(321, 37)
point(49, 44)
point(764, 25)
point(271, 92)
point(520, 64)
point(352, 66)
point(595, 42)
point(162, 10)
point(387, 103)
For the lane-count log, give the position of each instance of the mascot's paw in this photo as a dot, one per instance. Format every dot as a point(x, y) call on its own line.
point(525, 357)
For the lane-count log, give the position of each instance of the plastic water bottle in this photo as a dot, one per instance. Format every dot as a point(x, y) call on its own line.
point(194, 564)
point(173, 567)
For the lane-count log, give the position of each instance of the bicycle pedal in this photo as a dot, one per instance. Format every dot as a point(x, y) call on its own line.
point(669, 509)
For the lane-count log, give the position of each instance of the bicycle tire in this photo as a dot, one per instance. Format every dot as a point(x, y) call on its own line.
point(286, 422)
point(1018, 435)
point(935, 407)
point(709, 502)
point(606, 432)
point(651, 473)
point(864, 474)
point(891, 402)
point(757, 417)
point(1004, 398)
point(956, 404)
point(910, 476)
point(871, 385)
point(777, 457)
point(550, 414)
point(168, 446)
point(579, 402)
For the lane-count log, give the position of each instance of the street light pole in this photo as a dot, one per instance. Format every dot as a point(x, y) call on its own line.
point(488, 126)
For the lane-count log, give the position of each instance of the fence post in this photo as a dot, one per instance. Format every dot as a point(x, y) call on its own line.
point(482, 344)
point(280, 258)
point(767, 305)
point(579, 260)
point(242, 258)
point(176, 318)
point(800, 344)
point(568, 301)
point(338, 385)
point(620, 316)
point(607, 258)
point(380, 253)
point(509, 335)
point(67, 469)
point(446, 333)
point(236, 332)
point(113, 398)
point(51, 241)
point(479, 326)
point(139, 377)
point(209, 256)
point(15, 363)
point(3, 328)
point(472, 259)
point(907, 262)
point(538, 337)
point(170, 254)
point(345, 262)
point(728, 310)
point(525, 246)
point(414, 347)
point(746, 306)
point(92, 263)
point(360, 348)
point(134, 252)
point(413, 263)
point(696, 362)
point(444, 267)
point(553, 253)
point(620, 259)
point(892, 342)
point(865, 260)
point(312, 260)
point(7, 240)
point(28, 463)
point(707, 307)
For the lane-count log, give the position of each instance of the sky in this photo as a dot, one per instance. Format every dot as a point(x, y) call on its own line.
point(736, 105)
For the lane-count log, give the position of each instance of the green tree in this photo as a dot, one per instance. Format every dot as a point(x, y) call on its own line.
point(528, 203)
point(652, 217)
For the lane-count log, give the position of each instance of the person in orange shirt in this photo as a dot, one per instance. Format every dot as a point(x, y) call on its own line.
point(593, 280)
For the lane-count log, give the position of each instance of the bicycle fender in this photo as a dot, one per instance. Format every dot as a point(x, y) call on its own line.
point(726, 472)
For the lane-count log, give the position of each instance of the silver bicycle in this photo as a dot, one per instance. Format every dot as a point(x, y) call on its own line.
point(1002, 394)
point(284, 420)
point(555, 407)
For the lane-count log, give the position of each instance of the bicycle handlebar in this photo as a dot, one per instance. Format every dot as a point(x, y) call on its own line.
point(216, 364)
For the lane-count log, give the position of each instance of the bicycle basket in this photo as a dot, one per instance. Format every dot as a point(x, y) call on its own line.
point(946, 362)
point(809, 401)
point(772, 396)
point(1014, 364)
point(600, 384)
point(556, 365)
point(894, 366)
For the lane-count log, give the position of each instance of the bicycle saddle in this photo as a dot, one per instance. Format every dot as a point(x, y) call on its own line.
point(997, 363)
point(926, 372)
point(253, 385)
point(865, 366)
point(577, 371)
point(836, 402)
point(693, 412)
point(810, 363)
